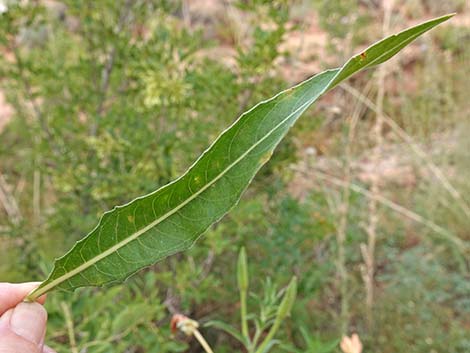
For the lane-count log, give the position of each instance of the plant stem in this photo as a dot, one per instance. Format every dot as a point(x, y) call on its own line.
point(36, 197)
point(70, 328)
point(202, 341)
point(244, 315)
point(242, 279)
point(368, 251)
point(343, 221)
point(269, 336)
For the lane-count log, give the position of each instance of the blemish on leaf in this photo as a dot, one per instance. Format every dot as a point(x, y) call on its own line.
point(363, 55)
point(290, 92)
point(130, 219)
point(265, 157)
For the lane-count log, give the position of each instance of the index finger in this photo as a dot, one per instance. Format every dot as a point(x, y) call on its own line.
point(12, 294)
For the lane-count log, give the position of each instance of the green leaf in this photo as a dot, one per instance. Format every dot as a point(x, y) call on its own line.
point(170, 220)
point(228, 329)
point(287, 301)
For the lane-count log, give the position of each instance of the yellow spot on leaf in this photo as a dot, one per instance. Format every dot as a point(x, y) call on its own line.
point(265, 157)
point(130, 218)
point(289, 93)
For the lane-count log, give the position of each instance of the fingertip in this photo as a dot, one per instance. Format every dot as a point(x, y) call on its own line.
point(28, 320)
point(13, 293)
point(10, 342)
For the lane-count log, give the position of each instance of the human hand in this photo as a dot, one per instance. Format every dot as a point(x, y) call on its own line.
point(22, 325)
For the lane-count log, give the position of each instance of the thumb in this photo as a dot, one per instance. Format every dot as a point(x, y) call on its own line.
point(22, 329)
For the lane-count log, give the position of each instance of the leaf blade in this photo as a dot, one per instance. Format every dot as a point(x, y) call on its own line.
point(171, 218)
point(386, 48)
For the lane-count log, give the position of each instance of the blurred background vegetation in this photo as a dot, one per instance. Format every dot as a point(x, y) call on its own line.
point(366, 200)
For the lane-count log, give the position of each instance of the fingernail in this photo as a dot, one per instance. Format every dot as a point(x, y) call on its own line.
point(28, 320)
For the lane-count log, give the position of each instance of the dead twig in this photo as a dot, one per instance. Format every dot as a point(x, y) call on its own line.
point(9, 203)
point(368, 250)
point(109, 65)
point(343, 219)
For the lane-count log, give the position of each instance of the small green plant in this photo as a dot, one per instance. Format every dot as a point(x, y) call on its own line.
point(275, 306)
